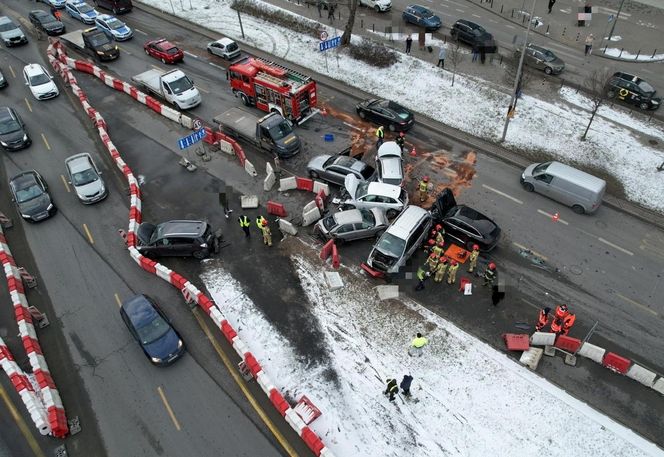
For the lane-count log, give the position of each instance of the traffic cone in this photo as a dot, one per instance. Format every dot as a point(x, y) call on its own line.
point(323, 112)
point(413, 152)
point(555, 217)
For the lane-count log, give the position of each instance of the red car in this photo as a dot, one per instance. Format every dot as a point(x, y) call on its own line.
point(164, 50)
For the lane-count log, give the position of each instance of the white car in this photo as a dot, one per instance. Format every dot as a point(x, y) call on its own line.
point(367, 195)
point(40, 82)
point(84, 175)
point(389, 163)
point(225, 48)
point(378, 5)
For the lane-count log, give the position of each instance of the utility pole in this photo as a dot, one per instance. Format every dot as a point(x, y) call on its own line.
point(622, 2)
point(518, 73)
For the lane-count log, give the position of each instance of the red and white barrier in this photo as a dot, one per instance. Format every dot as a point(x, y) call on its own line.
point(57, 56)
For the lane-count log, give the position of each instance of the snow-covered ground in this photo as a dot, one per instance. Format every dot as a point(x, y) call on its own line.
point(472, 105)
point(468, 399)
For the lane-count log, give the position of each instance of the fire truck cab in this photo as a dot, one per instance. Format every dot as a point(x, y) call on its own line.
point(273, 88)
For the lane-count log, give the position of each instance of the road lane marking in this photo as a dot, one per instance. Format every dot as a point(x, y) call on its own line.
point(141, 32)
point(615, 246)
point(503, 194)
point(168, 408)
point(11, 70)
point(459, 10)
point(28, 103)
point(156, 67)
point(22, 426)
point(64, 181)
point(353, 126)
point(117, 299)
point(123, 49)
point(243, 387)
point(521, 246)
point(87, 232)
point(201, 89)
point(476, 15)
point(551, 216)
point(48, 146)
point(509, 26)
point(644, 307)
point(191, 55)
point(218, 66)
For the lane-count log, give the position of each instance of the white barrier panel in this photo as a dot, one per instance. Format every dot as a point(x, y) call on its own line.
point(226, 147)
point(643, 375)
point(287, 184)
point(287, 227)
point(532, 357)
point(594, 353)
point(321, 185)
point(216, 316)
point(265, 382)
point(294, 420)
point(269, 180)
point(310, 213)
point(186, 121)
point(543, 339)
point(659, 386)
point(170, 113)
point(240, 347)
point(249, 168)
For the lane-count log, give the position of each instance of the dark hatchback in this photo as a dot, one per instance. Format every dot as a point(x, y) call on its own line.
point(150, 327)
point(473, 34)
point(464, 225)
point(13, 135)
point(633, 90)
point(30, 193)
point(422, 16)
point(384, 112)
point(46, 22)
point(177, 238)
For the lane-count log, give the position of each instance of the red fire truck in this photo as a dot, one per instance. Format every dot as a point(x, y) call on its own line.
point(271, 87)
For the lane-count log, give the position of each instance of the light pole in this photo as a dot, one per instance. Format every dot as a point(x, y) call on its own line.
point(518, 73)
point(614, 22)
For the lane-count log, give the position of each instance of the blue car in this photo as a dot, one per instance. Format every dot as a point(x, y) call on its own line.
point(80, 10)
point(59, 4)
point(113, 27)
point(422, 16)
point(160, 342)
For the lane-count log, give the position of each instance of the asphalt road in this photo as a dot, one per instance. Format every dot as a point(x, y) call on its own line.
point(595, 272)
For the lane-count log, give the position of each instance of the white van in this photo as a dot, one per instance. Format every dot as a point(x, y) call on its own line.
point(565, 184)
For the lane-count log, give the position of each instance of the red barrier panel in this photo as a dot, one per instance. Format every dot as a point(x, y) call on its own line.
point(251, 363)
point(178, 280)
point(133, 92)
point(131, 240)
point(3, 240)
point(312, 440)
point(336, 261)
point(373, 273)
point(616, 363)
point(153, 104)
point(118, 85)
point(305, 184)
point(22, 314)
point(15, 284)
point(279, 402)
point(204, 302)
point(148, 265)
point(135, 214)
point(228, 331)
point(516, 342)
point(327, 250)
point(276, 208)
point(567, 343)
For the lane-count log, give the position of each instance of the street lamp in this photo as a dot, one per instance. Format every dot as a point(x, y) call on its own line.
point(518, 73)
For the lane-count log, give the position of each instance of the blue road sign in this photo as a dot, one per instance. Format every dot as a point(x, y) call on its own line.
point(329, 44)
point(189, 140)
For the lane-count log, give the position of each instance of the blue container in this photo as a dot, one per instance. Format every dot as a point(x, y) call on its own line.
point(329, 137)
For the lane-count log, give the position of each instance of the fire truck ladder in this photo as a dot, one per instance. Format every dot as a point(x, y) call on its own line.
point(272, 79)
point(293, 75)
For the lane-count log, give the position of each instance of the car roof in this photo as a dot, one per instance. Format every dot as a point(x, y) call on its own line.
point(471, 24)
point(224, 40)
point(6, 20)
point(34, 69)
point(7, 113)
point(183, 227)
point(79, 162)
point(589, 181)
point(139, 309)
point(351, 216)
point(105, 17)
point(389, 149)
point(25, 177)
point(387, 190)
point(164, 44)
point(403, 225)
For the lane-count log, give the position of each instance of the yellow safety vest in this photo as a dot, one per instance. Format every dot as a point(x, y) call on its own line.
point(424, 186)
point(380, 133)
point(244, 221)
point(419, 342)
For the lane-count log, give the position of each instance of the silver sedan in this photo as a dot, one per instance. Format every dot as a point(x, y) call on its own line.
point(353, 224)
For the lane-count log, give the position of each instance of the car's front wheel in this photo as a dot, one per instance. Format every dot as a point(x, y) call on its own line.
point(644, 105)
point(362, 114)
point(548, 70)
point(199, 255)
point(578, 209)
point(528, 187)
point(313, 174)
point(377, 8)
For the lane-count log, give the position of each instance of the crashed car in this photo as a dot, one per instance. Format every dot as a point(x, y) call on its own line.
point(389, 163)
point(353, 224)
point(367, 195)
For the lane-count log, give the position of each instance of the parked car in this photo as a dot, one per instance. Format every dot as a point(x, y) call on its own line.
point(389, 163)
point(40, 82)
point(116, 6)
point(113, 27)
point(59, 4)
point(11, 33)
point(46, 22)
point(463, 224)
point(84, 175)
point(473, 34)
point(384, 112)
point(422, 17)
point(401, 239)
point(13, 135)
point(164, 50)
point(542, 59)
point(352, 224)
point(377, 5)
point(81, 11)
point(633, 90)
point(182, 238)
point(3, 81)
point(150, 327)
point(367, 195)
point(335, 168)
point(224, 48)
point(30, 193)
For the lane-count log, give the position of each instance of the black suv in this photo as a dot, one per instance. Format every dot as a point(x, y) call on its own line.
point(177, 238)
point(633, 90)
point(13, 135)
point(473, 34)
point(99, 45)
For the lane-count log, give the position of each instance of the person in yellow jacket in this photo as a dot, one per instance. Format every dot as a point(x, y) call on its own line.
point(423, 188)
point(432, 261)
point(267, 234)
point(440, 233)
point(438, 249)
point(380, 134)
point(417, 345)
point(452, 271)
point(259, 222)
point(440, 270)
point(473, 258)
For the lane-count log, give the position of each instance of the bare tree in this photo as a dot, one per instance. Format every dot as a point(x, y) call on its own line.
point(348, 29)
point(596, 83)
point(454, 57)
point(511, 68)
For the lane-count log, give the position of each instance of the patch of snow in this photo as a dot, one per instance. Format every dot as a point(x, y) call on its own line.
point(626, 55)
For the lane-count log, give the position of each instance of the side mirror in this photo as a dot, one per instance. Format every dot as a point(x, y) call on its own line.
point(69, 182)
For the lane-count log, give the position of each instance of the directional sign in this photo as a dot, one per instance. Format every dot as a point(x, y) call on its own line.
point(329, 44)
point(194, 138)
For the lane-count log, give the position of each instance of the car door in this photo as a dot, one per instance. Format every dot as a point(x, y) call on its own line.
point(454, 230)
point(335, 174)
point(542, 183)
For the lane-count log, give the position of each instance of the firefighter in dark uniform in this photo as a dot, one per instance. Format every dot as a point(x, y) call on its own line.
point(392, 388)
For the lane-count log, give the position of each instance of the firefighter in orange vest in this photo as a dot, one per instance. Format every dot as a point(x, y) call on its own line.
point(568, 323)
point(559, 318)
point(542, 319)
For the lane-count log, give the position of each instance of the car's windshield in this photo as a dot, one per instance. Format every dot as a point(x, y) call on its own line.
point(84, 177)
point(329, 222)
point(115, 24)
point(279, 131)
point(99, 39)
point(391, 245)
point(368, 217)
point(541, 168)
point(367, 172)
point(181, 85)
point(362, 189)
point(426, 13)
point(548, 56)
point(39, 79)
point(85, 8)
point(7, 26)
point(24, 195)
point(645, 87)
point(172, 50)
point(8, 125)
point(231, 47)
point(153, 330)
point(157, 234)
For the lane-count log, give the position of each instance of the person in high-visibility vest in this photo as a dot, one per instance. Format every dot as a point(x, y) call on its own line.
point(542, 319)
point(392, 388)
point(267, 234)
point(473, 258)
point(244, 225)
point(568, 323)
point(432, 261)
point(423, 273)
point(380, 134)
point(419, 341)
point(559, 318)
point(259, 222)
point(451, 272)
point(423, 188)
point(441, 269)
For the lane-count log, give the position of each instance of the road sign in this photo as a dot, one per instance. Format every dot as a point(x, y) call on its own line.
point(323, 35)
point(194, 138)
point(198, 124)
point(329, 44)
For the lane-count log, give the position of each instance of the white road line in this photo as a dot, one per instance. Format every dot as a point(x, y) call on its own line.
point(615, 246)
point(191, 55)
point(459, 10)
point(509, 26)
point(643, 307)
point(201, 89)
point(217, 66)
point(352, 126)
point(476, 15)
point(123, 49)
point(551, 216)
point(141, 32)
point(503, 194)
point(521, 246)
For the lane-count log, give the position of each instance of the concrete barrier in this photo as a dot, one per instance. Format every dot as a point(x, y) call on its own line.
point(287, 227)
point(318, 186)
point(289, 183)
point(543, 339)
point(642, 375)
point(592, 352)
point(659, 386)
point(249, 168)
point(310, 213)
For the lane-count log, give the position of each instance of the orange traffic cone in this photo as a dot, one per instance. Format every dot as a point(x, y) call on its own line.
point(413, 153)
point(555, 217)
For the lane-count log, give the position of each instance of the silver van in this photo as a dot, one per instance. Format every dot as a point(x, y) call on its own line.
point(400, 240)
point(567, 185)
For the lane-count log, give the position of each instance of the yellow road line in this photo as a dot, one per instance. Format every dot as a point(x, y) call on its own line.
point(28, 104)
point(117, 299)
point(87, 232)
point(242, 385)
point(11, 70)
point(636, 303)
point(48, 146)
point(64, 181)
point(168, 408)
point(521, 246)
point(22, 426)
